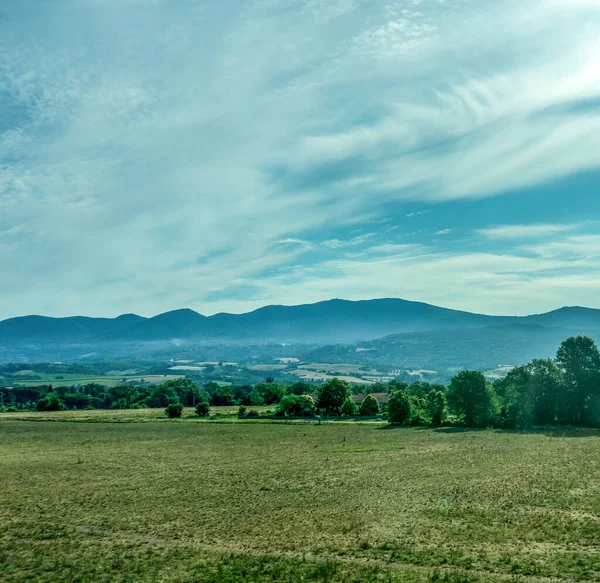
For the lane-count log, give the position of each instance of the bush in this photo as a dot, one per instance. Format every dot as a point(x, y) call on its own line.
point(203, 409)
point(399, 408)
point(242, 411)
point(252, 413)
point(369, 406)
point(174, 410)
point(348, 408)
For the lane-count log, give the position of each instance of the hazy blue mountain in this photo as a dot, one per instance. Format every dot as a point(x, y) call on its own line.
point(334, 320)
point(73, 329)
point(330, 321)
point(443, 350)
point(569, 318)
point(399, 331)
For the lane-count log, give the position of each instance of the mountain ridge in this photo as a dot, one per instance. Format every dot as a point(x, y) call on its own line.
point(335, 320)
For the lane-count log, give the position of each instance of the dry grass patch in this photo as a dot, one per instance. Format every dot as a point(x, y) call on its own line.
point(199, 501)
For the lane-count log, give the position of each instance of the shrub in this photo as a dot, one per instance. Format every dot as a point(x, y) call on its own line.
point(174, 410)
point(399, 409)
point(252, 413)
point(369, 406)
point(242, 411)
point(203, 409)
point(348, 408)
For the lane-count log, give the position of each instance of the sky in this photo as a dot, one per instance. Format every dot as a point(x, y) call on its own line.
point(222, 156)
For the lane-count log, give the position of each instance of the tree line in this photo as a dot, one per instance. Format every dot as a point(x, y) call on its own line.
point(560, 391)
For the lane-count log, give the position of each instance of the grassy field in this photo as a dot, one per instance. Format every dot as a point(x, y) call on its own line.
point(70, 380)
point(190, 500)
point(127, 415)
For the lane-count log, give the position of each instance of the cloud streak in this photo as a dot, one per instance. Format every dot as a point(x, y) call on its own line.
point(152, 155)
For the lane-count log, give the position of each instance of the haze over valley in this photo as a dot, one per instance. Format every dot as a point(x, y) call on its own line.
point(383, 338)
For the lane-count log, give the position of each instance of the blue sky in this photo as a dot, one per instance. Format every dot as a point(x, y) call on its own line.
point(157, 154)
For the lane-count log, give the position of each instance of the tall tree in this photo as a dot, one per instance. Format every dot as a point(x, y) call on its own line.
point(579, 359)
point(332, 394)
point(369, 406)
point(545, 391)
point(514, 392)
point(472, 397)
point(399, 408)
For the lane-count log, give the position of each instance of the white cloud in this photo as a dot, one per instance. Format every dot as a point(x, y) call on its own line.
point(525, 231)
point(483, 282)
point(151, 154)
point(579, 246)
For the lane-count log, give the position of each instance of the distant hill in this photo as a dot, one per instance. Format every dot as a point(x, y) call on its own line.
point(338, 322)
point(443, 350)
point(330, 321)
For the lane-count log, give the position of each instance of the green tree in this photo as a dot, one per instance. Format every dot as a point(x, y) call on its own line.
point(546, 390)
point(203, 409)
point(579, 359)
point(331, 395)
point(348, 408)
point(307, 405)
point(300, 388)
point(255, 398)
point(77, 401)
point(472, 397)
point(296, 406)
point(188, 392)
point(271, 392)
point(50, 402)
point(222, 397)
point(162, 396)
point(289, 406)
point(515, 398)
point(399, 408)
point(436, 407)
point(369, 406)
point(174, 410)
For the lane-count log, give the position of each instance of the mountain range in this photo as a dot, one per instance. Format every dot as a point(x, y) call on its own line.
point(338, 322)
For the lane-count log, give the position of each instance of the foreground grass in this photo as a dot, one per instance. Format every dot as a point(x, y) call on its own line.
point(202, 501)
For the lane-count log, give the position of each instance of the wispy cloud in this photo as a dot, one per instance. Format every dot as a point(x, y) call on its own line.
point(137, 137)
point(518, 232)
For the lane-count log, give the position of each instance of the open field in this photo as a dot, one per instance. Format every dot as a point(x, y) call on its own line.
point(125, 415)
point(70, 380)
point(191, 500)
